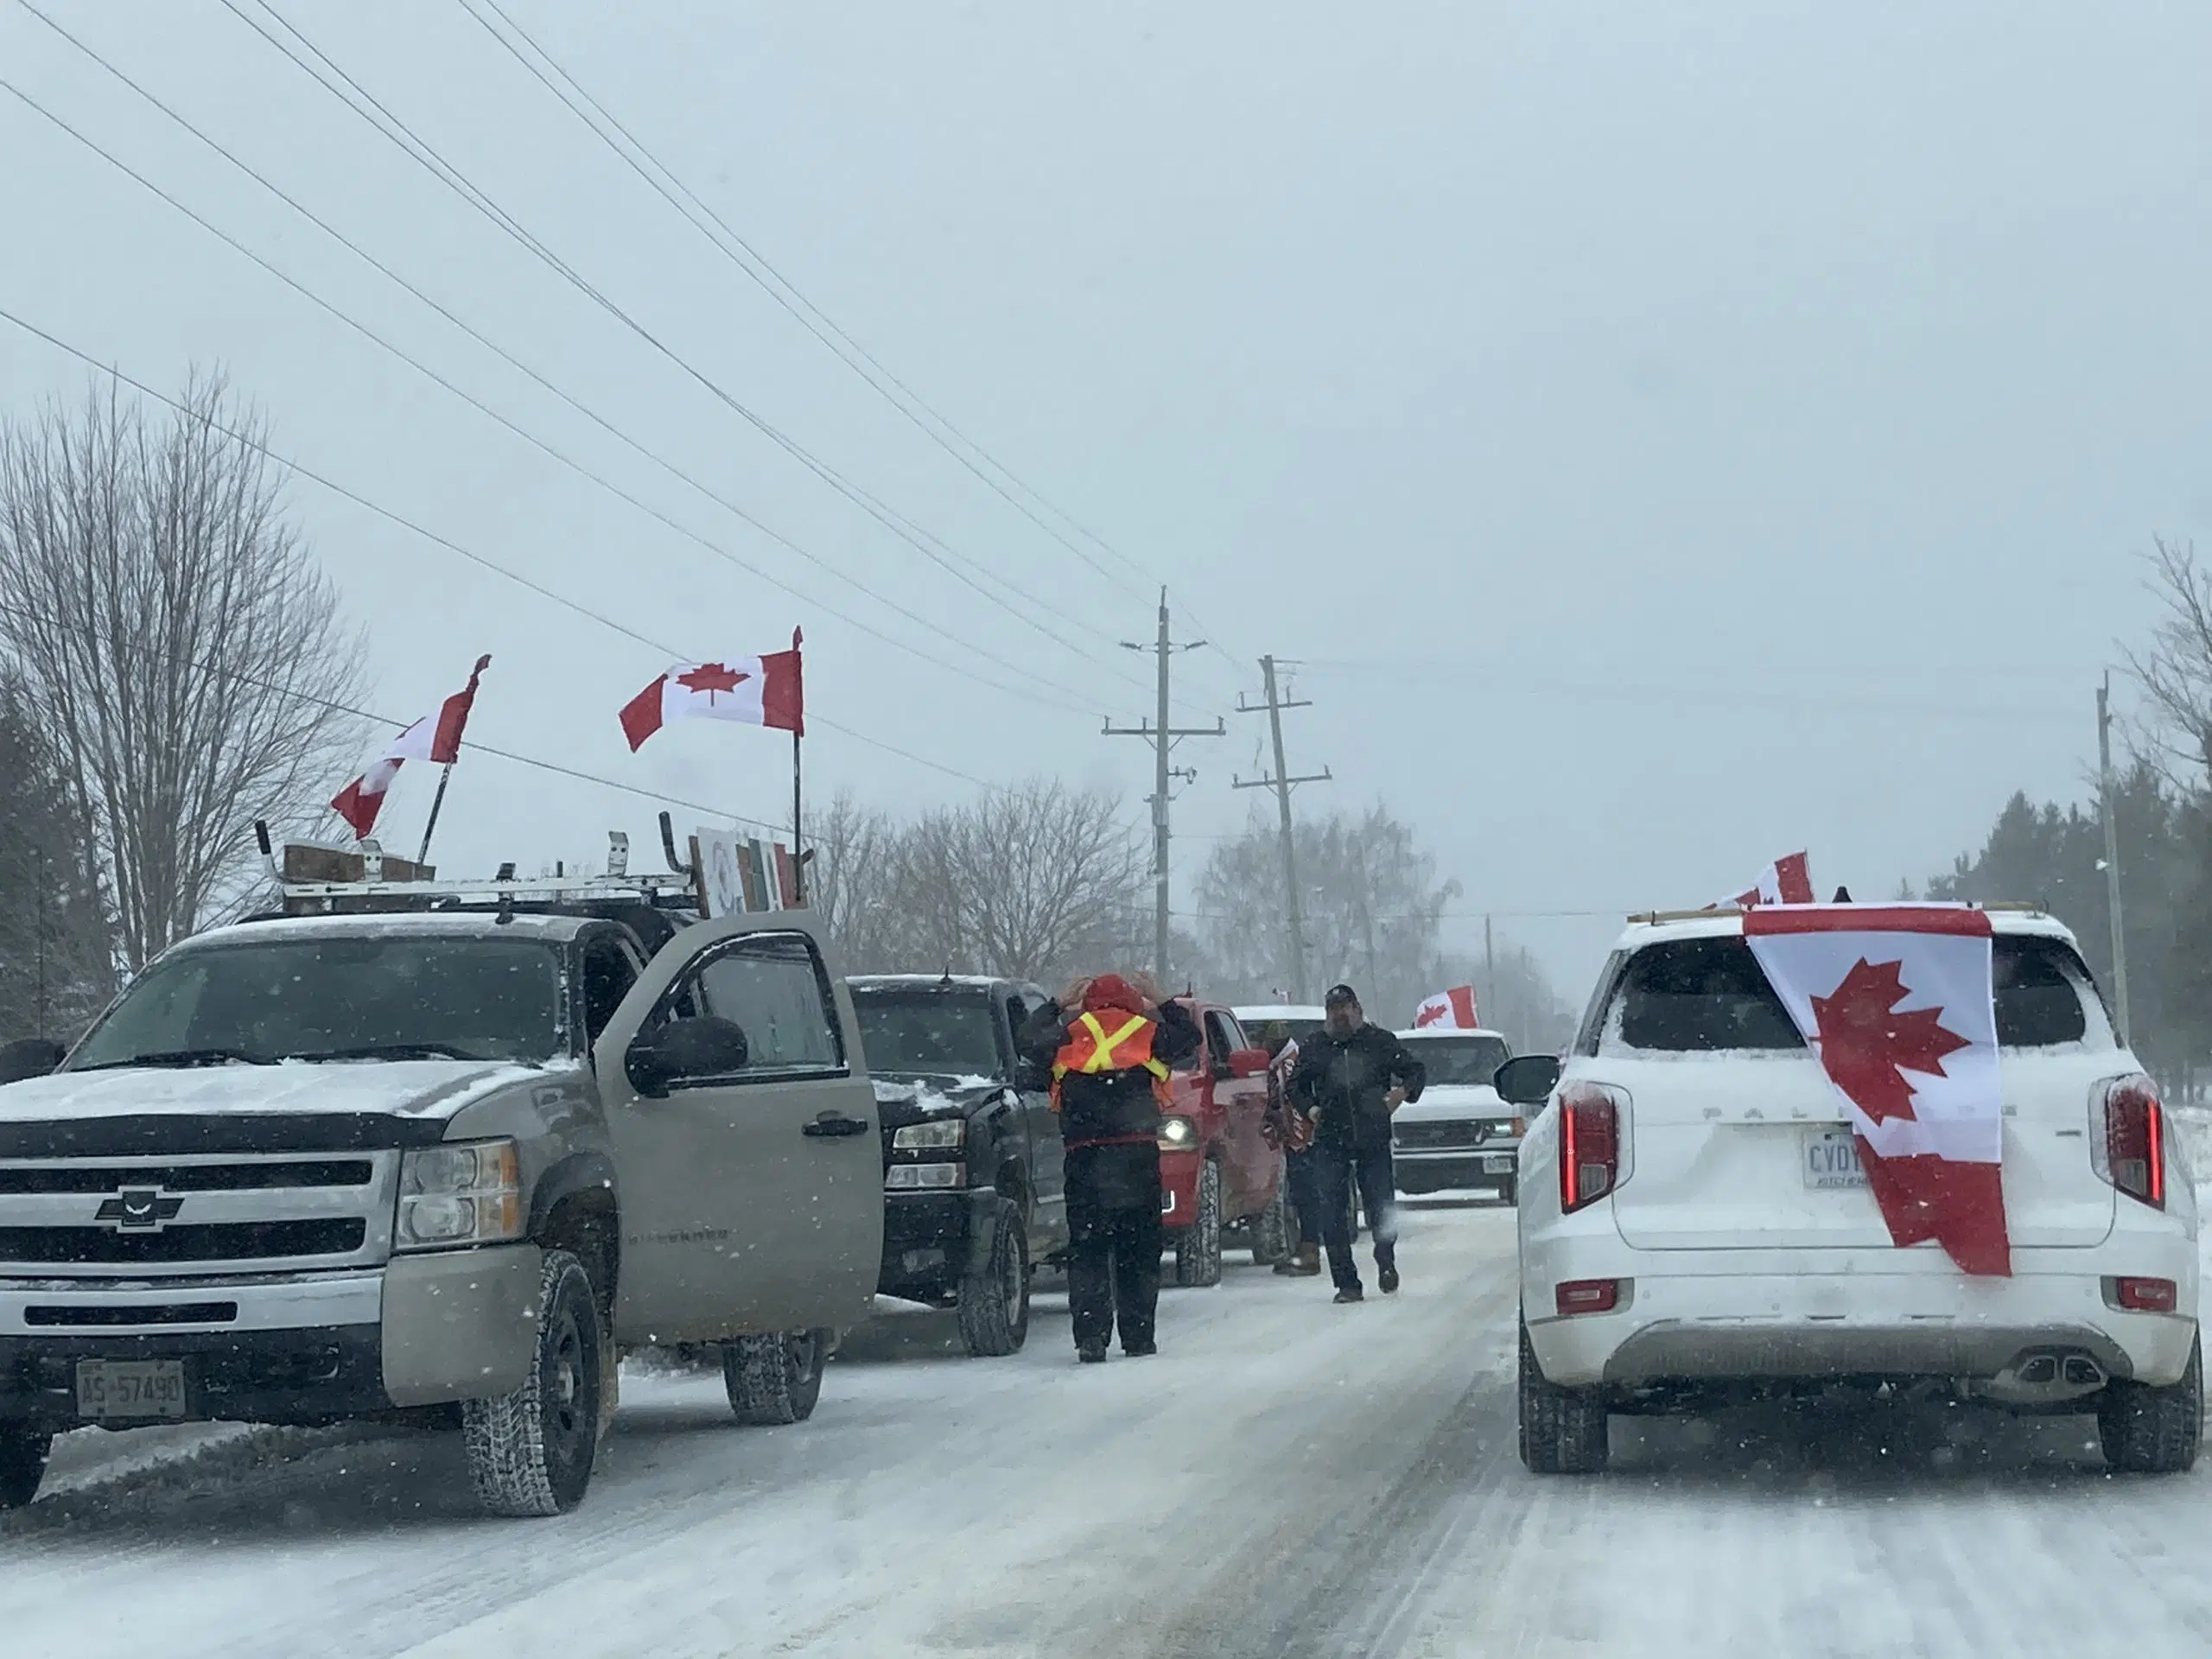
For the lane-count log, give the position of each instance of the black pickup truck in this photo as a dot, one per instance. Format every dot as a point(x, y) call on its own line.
point(971, 1149)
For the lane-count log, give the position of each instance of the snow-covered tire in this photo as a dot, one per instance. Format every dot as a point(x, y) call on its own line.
point(2151, 1431)
point(530, 1452)
point(775, 1380)
point(22, 1463)
point(1274, 1230)
point(1197, 1247)
point(1563, 1431)
point(995, 1303)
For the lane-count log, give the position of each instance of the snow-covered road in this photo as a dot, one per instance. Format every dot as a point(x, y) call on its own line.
point(1286, 1478)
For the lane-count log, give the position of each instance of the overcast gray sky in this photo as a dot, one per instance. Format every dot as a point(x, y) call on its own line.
point(1671, 435)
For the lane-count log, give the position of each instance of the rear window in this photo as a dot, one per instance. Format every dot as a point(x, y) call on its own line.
point(1705, 995)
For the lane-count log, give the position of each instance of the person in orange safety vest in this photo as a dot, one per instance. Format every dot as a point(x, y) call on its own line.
point(1111, 1045)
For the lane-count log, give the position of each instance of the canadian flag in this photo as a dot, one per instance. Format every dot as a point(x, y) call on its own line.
point(1453, 1009)
point(767, 691)
point(435, 737)
point(1788, 880)
point(1898, 1002)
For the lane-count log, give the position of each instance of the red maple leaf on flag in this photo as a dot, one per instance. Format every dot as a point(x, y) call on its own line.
point(1867, 1045)
point(710, 678)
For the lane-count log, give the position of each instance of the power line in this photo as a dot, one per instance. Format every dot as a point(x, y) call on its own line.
point(770, 281)
point(951, 665)
point(988, 588)
point(669, 653)
point(296, 696)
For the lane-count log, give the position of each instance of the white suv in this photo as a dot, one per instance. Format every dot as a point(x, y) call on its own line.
point(1713, 1240)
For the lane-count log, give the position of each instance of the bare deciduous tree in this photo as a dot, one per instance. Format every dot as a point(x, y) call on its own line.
point(2174, 670)
point(56, 967)
point(175, 640)
point(1035, 882)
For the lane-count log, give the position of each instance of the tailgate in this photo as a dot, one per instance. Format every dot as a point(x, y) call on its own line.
point(1750, 1151)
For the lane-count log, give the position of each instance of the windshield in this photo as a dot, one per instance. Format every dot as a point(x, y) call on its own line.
point(1272, 1034)
point(1459, 1060)
point(339, 998)
point(945, 1033)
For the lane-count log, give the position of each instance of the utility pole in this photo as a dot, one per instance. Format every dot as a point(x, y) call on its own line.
point(2111, 856)
point(1282, 783)
point(1163, 737)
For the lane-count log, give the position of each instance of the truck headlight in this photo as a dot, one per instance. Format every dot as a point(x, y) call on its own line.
point(1176, 1133)
point(470, 1193)
point(905, 1178)
point(939, 1136)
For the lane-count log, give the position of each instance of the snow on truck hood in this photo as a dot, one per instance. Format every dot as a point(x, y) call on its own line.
point(933, 1096)
point(422, 1089)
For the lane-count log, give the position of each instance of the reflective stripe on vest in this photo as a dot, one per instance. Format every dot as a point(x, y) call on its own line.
point(1104, 1053)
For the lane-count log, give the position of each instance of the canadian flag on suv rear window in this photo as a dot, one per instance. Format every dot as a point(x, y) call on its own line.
point(1898, 1002)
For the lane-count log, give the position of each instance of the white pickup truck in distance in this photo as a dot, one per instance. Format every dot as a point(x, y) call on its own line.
point(1711, 1239)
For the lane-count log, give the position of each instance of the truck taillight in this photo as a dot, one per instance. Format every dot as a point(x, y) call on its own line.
point(2134, 1141)
point(1589, 1145)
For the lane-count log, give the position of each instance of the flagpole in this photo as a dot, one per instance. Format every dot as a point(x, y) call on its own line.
point(798, 846)
point(438, 800)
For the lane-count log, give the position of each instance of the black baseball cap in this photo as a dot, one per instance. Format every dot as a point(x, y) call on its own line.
point(1338, 994)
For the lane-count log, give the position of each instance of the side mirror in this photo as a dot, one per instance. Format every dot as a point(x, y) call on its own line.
point(29, 1057)
point(1248, 1062)
point(1527, 1080)
point(683, 1051)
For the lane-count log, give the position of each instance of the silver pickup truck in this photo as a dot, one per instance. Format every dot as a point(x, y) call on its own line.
point(444, 1164)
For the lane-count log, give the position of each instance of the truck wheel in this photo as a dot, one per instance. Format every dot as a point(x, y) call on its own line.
point(2148, 1431)
point(995, 1303)
point(1563, 1431)
point(1275, 1233)
point(23, 1464)
point(1197, 1247)
point(529, 1452)
point(774, 1380)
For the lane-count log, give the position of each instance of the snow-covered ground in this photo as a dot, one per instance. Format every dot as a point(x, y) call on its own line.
point(1286, 1478)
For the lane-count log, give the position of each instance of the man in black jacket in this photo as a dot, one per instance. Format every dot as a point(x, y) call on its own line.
point(1349, 1077)
point(1109, 1053)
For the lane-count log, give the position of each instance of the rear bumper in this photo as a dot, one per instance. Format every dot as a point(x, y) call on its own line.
point(1684, 1315)
point(933, 1240)
point(1436, 1172)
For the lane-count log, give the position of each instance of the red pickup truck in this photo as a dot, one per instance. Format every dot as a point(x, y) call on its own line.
point(1219, 1179)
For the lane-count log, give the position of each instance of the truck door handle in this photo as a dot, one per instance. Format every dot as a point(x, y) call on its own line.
point(835, 1123)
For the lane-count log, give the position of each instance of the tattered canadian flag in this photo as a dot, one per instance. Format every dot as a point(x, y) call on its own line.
point(1788, 880)
point(435, 737)
point(1898, 1002)
point(1452, 1010)
point(764, 690)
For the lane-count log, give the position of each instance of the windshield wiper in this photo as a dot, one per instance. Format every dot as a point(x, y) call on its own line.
point(394, 1052)
point(182, 1056)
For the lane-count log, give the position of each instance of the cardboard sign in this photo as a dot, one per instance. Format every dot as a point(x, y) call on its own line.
point(740, 875)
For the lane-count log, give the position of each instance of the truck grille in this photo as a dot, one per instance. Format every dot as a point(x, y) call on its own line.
point(1440, 1137)
point(253, 1241)
point(186, 1178)
point(188, 1214)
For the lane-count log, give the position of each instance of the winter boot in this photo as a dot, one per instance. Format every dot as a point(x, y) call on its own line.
point(1144, 1348)
point(1091, 1353)
point(1308, 1265)
point(1386, 1271)
point(1351, 1293)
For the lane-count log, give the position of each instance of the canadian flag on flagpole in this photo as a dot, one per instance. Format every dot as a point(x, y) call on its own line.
point(1898, 1002)
point(764, 690)
point(1452, 1010)
point(1788, 880)
point(435, 737)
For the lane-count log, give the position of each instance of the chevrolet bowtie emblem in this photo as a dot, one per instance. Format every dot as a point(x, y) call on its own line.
point(139, 1210)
